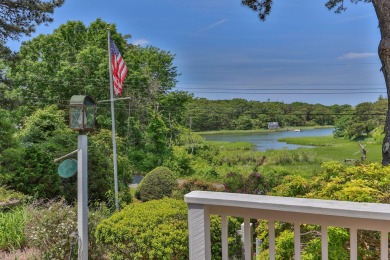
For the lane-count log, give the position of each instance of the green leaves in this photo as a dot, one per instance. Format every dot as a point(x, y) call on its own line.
point(157, 184)
point(19, 17)
point(158, 229)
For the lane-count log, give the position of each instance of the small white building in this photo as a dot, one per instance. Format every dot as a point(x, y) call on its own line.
point(273, 125)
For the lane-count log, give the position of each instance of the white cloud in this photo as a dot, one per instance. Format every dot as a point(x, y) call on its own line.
point(211, 26)
point(141, 42)
point(356, 55)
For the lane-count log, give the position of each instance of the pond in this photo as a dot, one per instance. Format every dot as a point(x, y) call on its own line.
point(269, 140)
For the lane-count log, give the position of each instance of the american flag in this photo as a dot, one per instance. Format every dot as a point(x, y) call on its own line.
point(119, 69)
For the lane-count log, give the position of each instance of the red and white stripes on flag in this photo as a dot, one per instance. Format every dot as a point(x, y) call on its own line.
point(119, 69)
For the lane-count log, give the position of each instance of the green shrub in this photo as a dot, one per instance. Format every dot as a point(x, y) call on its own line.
point(252, 184)
point(9, 196)
point(180, 163)
point(158, 230)
point(52, 226)
point(157, 184)
point(124, 198)
point(292, 186)
point(12, 228)
point(194, 184)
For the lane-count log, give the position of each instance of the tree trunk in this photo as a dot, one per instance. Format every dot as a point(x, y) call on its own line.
point(382, 9)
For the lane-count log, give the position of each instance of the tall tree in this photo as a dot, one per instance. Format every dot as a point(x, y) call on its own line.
point(20, 17)
point(382, 9)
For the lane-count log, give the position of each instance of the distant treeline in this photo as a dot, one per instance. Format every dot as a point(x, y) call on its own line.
point(241, 114)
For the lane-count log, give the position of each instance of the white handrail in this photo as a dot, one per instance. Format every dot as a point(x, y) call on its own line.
point(353, 215)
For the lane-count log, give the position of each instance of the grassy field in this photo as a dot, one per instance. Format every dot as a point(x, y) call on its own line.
point(329, 148)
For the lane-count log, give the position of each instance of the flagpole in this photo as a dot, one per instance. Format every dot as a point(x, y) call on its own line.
point(113, 123)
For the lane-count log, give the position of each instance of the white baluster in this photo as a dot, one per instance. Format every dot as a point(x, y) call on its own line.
point(384, 245)
point(297, 241)
point(271, 234)
point(224, 234)
point(353, 243)
point(324, 242)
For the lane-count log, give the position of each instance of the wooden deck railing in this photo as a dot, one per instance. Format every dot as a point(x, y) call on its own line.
point(352, 215)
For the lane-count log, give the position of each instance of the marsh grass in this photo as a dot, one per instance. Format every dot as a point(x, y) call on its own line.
point(231, 145)
point(12, 229)
point(221, 158)
point(328, 148)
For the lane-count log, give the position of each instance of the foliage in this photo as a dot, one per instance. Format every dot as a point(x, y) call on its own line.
point(234, 240)
point(252, 184)
point(12, 228)
point(240, 114)
point(338, 239)
point(18, 18)
point(52, 228)
point(194, 184)
point(7, 129)
point(359, 183)
point(43, 125)
point(180, 162)
point(73, 60)
point(100, 167)
point(378, 135)
point(362, 120)
point(157, 184)
point(286, 156)
point(30, 170)
point(292, 186)
point(152, 230)
point(10, 195)
point(157, 230)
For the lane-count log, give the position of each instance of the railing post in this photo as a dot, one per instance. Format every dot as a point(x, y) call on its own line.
point(199, 232)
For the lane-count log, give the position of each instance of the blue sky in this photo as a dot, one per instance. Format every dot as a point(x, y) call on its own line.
point(303, 52)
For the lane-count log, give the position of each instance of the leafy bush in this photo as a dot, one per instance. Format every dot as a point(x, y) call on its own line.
point(7, 195)
point(194, 184)
point(31, 170)
point(51, 229)
point(292, 186)
point(157, 184)
point(252, 184)
point(180, 163)
point(158, 230)
point(378, 134)
point(12, 228)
